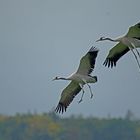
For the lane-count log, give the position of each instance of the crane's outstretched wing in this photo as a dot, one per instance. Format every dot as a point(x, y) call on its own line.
point(134, 31)
point(120, 49)
point(67, 96)
point(115, 54)
point(87, 62)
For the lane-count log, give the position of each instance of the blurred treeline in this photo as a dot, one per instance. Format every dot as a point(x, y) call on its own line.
point(49, 126)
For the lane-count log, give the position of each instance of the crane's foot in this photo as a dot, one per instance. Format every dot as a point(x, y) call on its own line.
point(80, 101)
point(81, 96)
point(91, 96)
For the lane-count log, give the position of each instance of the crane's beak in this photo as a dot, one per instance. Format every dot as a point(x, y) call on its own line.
point(97, 40)
point(100, 39)
point(53, 79)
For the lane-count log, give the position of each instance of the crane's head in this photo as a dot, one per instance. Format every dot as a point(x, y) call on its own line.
point(101, 39)
point(56, 78)
point(59, 78)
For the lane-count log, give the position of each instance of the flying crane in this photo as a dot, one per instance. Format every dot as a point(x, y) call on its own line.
point(131, 41)
point(78, 80)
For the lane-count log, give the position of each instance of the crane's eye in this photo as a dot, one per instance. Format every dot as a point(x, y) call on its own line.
point(56, 77)
point(101, 38)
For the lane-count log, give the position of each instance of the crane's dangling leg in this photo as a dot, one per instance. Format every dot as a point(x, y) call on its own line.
point(135, 57)
point(89, 88)
point(82, 93)
point(135, 49)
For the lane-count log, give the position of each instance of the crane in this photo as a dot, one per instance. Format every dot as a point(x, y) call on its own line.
point(78, 79)
point(131, 41)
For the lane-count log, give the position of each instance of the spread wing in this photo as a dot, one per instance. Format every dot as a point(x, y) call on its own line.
point(134, 31)
point(120, 49)
point(115, 54)
point(87, 62)
point(67, 96)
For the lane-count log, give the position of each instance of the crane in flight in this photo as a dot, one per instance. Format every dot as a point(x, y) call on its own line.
point(78, 79)
point(131, 41)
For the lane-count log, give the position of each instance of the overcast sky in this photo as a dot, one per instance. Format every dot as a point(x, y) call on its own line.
point(41, 39)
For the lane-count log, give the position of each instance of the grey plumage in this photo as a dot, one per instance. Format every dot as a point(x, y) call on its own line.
point(78, 80)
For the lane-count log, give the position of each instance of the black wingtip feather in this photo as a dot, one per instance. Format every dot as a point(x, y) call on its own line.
point(109, 63)
point(60, 108)
point(93, 49)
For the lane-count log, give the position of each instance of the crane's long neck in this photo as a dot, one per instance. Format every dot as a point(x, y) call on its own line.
point(113, 40)
point(63, 78)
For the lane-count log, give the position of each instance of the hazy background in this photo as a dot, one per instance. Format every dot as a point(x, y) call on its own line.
point(41, 39)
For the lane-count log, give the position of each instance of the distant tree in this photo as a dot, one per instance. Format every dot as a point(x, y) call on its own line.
point(49, 126)
point(129, 115)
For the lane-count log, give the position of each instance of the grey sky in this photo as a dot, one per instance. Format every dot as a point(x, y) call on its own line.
point(41, 39)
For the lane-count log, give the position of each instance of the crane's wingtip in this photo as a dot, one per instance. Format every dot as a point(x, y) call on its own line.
point(60, 108)
point(93, 49)
point(109, 63)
